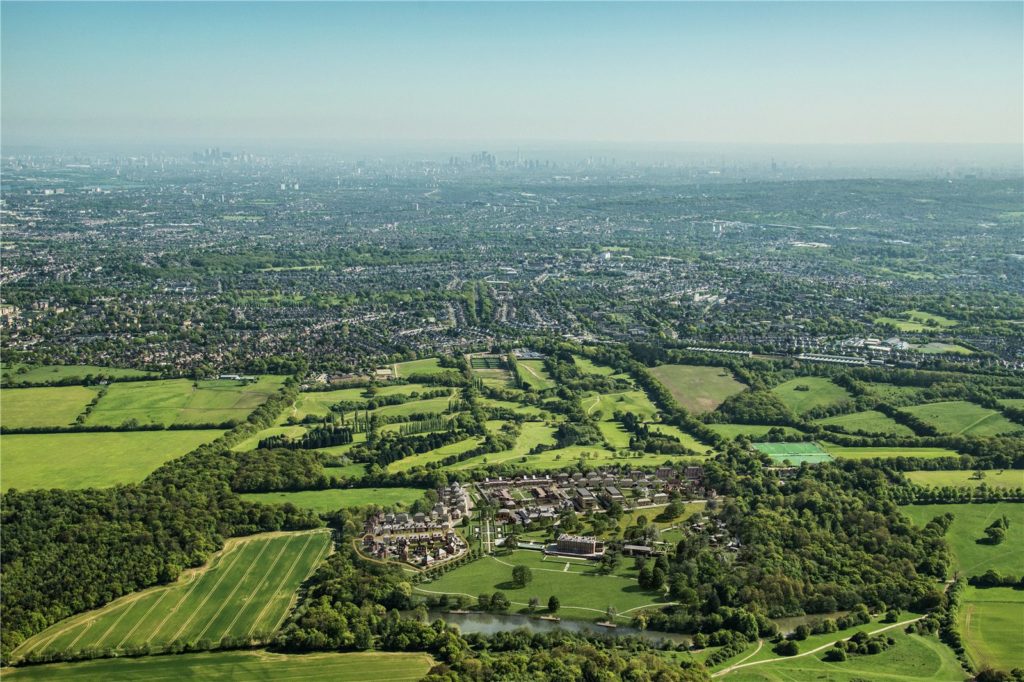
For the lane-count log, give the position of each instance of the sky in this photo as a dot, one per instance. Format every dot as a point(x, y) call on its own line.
point(761, 73)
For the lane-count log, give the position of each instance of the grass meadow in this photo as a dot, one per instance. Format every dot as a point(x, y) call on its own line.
point(964, 418)
point(697, 388)
point(322, 501)
point(969, 522)
point(91, 460)
point(869, 421)
point(44, 407)
point(820, 392)
point(992, 624)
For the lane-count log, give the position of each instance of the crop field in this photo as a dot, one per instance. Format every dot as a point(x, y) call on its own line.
point(584, 593)
point(424, 366)
point(41, 374)
point(245, 591)
point(806, 393)
point(991, 621)
point(844, 452)
point(608, 404)
point(914, 658)
point(962, 417)
point(322, 501)
point(533, 375)
point(750, 430)
point(795, 453)
point(697, 388)
point(91, 460)
point(177, 401)
point(434, 455)
point(588, 366)
point(997, 478)
point(969, 522)
point(258, 666)
point(869, 421)
point(56, 406)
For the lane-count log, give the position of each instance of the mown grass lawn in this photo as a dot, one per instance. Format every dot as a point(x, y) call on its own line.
point(992, 624)
point(869, 421)
point(969, 522)
point(33, 407)
point(697, 388)
point(820, 392)
point(322, 501)
point(962, 417)
point(995, 478)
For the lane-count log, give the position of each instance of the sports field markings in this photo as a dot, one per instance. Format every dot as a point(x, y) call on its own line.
point(566, 569)
point(238, 583)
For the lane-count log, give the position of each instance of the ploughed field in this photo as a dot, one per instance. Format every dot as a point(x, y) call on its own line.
point(243, 593)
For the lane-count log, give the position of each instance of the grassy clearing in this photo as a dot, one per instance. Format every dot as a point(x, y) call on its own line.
point(893, 392)
point(245, 590)
point(518, 408)
point(252, 442)
point(962, 417)
point(533, 374)
point(322, 501)
point(844, 452)
point(531, 435)
point(179, 401)
point(587, 366)
point(1005, 478)
point(583, 593)
point(608, 404)
point(969, 523)
point(238, 665)
point(794, 453)
point(434, 455)
point(806, 393)
point(992, 623)
point(918, 321)
point(750, 430)
point(697, 388)
point(57, 406)
point(869, 421)
point(41, 374)
point(936, 348)
point(91, 460)
point(424, 366)
point(912, 659)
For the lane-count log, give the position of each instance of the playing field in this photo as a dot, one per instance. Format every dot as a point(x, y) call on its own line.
point(844, 452)
point(794, 453)
point(583, 593)
point(869, 421)
point(322, 501)
point(424, 366)
point(998, 478)
point(533, 374)
point(238, 665)
point(912, 659)
point(992, 625)
point(806, 393)
point(962, 417)
point(41, 374)
point(969, 522)
point(245, 591)
point(57, 406)
point(178, 401)
point(697, 388)
point(84, 460)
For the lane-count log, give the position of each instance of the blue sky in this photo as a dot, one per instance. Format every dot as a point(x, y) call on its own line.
point(726, 72)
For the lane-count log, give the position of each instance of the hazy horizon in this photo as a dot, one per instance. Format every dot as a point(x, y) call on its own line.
point(707, 78)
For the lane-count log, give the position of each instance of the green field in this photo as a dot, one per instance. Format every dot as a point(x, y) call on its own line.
point(794, 453)
point(916, 321)
point(424, 366)
point(587, 366)
point(750, 430)
point(84, 460)
point(935, 348)
point(890, 392)
point(584, 593)
point(259, 666)
point(533, 374)
point(1013, 402)
point(842, 451)
point(245, 591)
point(252, 442)
point(33, 407)
point(41, 374)
point(434, 455)
point(992, 624)
point(178, 401)
point(821, 392)
point(322, 501)
point(962, 417)
point(608, 404)
point(998, 478)
point(869, 421)
point(969, 523)
point(912, 659)
point(697, 388)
